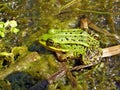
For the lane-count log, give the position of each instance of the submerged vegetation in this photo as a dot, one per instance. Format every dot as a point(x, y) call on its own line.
point(19, 56)
point(9, 26)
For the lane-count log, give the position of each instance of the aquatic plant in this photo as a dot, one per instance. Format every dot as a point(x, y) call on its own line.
point(7, 27)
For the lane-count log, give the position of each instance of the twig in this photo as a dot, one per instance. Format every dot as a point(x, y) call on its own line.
point(111, 51)
point(56, 75)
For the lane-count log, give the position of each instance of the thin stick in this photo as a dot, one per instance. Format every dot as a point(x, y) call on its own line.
point(68, 5)
point(56, 75)
point(90, 11)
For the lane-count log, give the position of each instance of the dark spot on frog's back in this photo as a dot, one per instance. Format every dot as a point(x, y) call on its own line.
point(66, 38)
point(73, 39)
point(75, 36)
point(80, 32)
point(76, 44)
point(80, 40)
point(61, 39)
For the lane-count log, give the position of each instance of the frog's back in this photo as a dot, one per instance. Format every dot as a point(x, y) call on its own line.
point(74, 37)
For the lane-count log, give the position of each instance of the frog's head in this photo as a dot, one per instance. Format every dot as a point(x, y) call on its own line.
point(48, 41)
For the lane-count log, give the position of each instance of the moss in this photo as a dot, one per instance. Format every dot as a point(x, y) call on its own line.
point(5, 84)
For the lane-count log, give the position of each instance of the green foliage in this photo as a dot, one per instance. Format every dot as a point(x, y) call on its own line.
point(7, 27)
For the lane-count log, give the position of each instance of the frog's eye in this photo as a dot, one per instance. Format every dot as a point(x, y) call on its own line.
point(49, 42)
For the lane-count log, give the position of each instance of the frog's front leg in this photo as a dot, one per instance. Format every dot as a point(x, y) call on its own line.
point(61, 56)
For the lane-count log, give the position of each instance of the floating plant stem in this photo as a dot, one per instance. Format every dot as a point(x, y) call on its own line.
point(68, 5)
point(90, 11)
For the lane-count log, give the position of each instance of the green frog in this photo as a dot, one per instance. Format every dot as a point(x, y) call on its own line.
point(73, 44)
point(70, 44)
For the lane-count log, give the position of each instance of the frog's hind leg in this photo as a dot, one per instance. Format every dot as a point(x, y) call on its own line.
point(70, 76)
